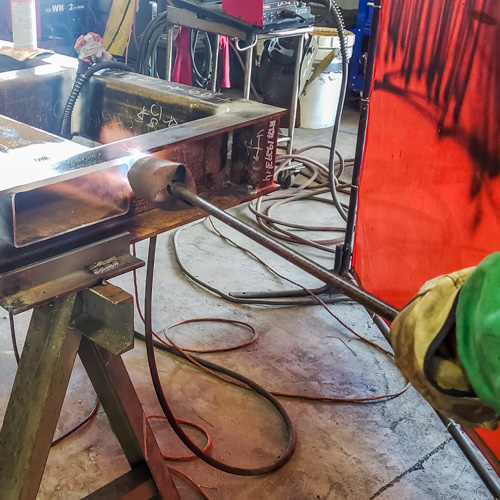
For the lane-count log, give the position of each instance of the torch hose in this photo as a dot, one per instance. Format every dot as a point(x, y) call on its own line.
point(292, 438)
point(80, 81)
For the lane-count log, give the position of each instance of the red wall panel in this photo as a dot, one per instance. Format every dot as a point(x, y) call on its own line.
point(430, 189)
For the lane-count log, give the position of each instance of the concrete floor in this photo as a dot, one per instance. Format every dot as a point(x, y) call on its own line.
point(391, 450)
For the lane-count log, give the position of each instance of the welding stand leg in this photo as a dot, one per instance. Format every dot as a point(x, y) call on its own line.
point(126, 416)
point(170, 52)
point(215, 64)
point(36, 400)
point(248, 73)
point(295, 94)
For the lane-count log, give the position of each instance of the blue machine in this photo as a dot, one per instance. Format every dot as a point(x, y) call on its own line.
point(362, 32)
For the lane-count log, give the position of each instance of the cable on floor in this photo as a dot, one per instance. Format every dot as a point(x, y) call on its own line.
point(336, 298)
point(215, 370)
point(305, 289)
point(254, 338)
point(211, 368)
point(78, 426)
point(190, 481)
point(185, 458)
point(292, 438)
point(315, 185)
point(327, 399)
point(316, 299)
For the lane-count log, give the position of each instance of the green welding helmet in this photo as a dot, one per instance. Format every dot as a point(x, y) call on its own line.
point(478, 330)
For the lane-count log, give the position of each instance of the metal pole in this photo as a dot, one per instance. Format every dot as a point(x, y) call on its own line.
point(248, 73)
point(170, 50)
point(369, 301)
point(295, 93)
point(215, 64)
point(360, 144)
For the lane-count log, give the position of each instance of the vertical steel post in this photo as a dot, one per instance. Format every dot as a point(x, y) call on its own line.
point(294, 106)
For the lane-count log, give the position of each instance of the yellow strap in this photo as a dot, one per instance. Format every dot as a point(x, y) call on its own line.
point(118, 26)
point(321, 67)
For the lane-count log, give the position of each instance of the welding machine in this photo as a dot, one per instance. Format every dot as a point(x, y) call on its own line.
point(59, 22)
point(263, 13)
point(252, 16)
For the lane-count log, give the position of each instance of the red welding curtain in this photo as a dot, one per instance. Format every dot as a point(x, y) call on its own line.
point(430, 188)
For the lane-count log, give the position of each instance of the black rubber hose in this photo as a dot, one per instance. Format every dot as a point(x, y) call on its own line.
point(339, 21)
point(148, 39)
point(332, 7)
point(198, 74)
point(292, 439)
point(80, 80)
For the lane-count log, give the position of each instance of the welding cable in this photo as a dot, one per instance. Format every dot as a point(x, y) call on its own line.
point(78, 426)
point(151, 52)
point(201, 77)
point(149, 40)
point(13, 337)
point(254, 338)
point(184, 458)
point(314, 296)
point(333, 299)
point(188, 480)
point(305, 289)
point(339, 21)
point(80, 80)
point(334, 9)
point(215, 370)
point(270, 225)
point(292, 438)
point(84, 422)
point(316, 175)
point(306, 397)
point(367, 399)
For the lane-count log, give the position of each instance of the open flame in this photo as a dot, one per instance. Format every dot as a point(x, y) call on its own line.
point(98, 195)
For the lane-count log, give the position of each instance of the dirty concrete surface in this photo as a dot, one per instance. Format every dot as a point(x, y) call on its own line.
point(391, 450)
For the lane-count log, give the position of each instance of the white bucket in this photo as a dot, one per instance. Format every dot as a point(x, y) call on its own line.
point(319, 101)
point(327, 40)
